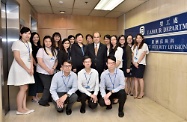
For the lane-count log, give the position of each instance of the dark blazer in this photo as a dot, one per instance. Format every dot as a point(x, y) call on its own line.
point(77, 56)
point(99, 61)
point(62, 56)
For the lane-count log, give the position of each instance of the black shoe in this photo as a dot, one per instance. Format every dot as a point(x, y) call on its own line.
point(68, 111)
point(108, 107)
point(82, 110)
point(45, 105)
point(121, 114)
point(60, 111)
point(78, 99)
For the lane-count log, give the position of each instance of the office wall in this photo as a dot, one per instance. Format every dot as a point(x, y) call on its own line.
point(70, 24)
point(166, 74)
point(26, 11)
point(121, 24)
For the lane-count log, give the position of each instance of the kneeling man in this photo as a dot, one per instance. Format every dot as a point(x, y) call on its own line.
point(88, 85)
point(112, 86)
point(63, 88)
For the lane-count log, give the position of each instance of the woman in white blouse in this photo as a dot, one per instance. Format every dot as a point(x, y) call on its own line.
point(139, 49)
point(116, 51)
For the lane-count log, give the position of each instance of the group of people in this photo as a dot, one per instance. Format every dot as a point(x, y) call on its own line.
point(68, 70)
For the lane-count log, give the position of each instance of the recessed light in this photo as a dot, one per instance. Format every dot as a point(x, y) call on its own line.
point(62, 12)
point(60, 1)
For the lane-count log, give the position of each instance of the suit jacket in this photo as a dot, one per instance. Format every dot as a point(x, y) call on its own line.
point(77, 56)
point(99, 60)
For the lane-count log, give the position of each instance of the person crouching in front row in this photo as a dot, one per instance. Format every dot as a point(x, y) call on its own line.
point(63, 88)
point(112, 86)
point(88, 85)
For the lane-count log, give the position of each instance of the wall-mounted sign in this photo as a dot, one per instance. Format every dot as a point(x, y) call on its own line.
point(165, 35)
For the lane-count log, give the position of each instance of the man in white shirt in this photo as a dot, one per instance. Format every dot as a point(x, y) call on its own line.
point(88, 85)
point(112, 86)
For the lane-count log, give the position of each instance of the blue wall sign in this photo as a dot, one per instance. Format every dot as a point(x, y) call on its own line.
point(165, 35)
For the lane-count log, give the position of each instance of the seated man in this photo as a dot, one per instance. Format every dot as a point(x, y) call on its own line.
point(112, 86)
point(63, 88)
point(88, 85)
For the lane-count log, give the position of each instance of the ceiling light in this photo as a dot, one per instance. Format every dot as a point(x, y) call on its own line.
point(107, 4)
point(62, 12)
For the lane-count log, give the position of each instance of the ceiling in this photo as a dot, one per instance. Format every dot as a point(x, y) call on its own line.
point(82, 7)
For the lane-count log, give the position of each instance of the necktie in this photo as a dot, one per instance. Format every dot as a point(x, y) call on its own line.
point(96, 49)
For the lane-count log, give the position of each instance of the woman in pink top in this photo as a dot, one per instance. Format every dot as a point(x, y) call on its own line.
point(47, 62)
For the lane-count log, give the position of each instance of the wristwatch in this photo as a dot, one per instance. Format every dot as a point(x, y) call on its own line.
point(68, 95)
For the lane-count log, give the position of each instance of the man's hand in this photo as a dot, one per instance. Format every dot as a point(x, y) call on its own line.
point(63, 98)
point(59, 104)
point(94, 98)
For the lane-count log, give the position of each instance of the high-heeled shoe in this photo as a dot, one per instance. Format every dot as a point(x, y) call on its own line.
point(135, 97)
point(140, 97)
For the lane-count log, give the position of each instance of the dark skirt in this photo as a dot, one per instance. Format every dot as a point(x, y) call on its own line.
point(139, 72)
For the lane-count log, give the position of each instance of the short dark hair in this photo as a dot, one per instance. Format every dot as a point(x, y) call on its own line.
point(70, 36)
point(24, 30)
point(111, 57)
point(86, 57)
point(68, 61)
point(78, 34)
point(107, 36)
point(89, 35)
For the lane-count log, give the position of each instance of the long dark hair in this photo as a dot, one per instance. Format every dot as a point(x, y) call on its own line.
point(136, 43)
point(24, 30)
point(64, 40)
point(117, 43)
point(52, 48)
point(31, 39)
point(59, 42)
point(108, 37)
point(125, 44)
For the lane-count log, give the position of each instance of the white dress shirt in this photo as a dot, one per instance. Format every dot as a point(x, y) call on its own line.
point(88, 82)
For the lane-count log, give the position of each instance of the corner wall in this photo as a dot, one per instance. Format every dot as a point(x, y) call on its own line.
point(166, 74)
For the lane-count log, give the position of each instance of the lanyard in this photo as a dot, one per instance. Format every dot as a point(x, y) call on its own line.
point(88, 80)
point(135, 57)
point(136, 50)
point(27, 46)
point(114, 79)
point(66, 85)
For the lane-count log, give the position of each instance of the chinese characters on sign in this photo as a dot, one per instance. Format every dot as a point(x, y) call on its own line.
point(165, 35)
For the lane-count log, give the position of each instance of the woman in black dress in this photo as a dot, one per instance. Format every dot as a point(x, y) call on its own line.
point(36, 88)
point(127, 58)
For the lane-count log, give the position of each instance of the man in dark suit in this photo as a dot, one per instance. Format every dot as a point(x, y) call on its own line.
point(98, 53)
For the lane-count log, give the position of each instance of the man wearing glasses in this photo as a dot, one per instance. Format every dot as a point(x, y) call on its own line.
point(63, 88)
point(112, 86)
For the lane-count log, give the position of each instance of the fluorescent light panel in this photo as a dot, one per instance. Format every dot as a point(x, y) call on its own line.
point(108, 4)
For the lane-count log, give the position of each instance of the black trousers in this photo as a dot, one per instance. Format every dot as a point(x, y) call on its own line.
point(69, 101)
point(84, 97)
point(120, 95)
point(46, 80)
point(37, 87)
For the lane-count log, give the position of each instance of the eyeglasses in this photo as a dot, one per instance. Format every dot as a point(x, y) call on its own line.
point(67, 66)
point(111, 63)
